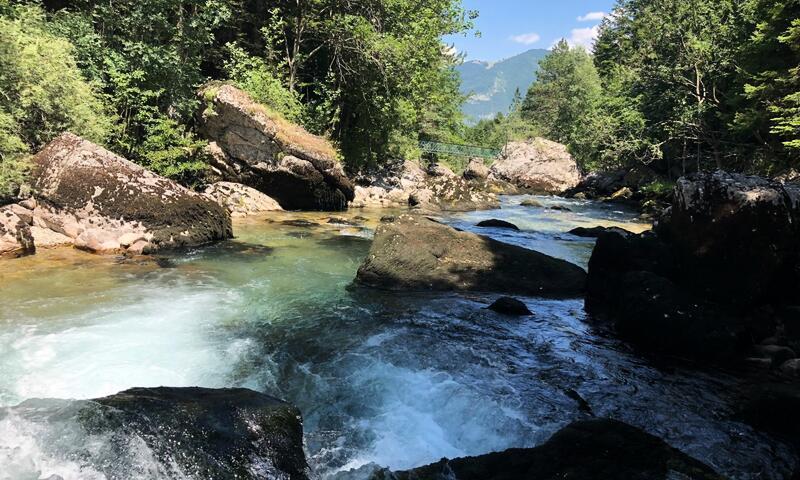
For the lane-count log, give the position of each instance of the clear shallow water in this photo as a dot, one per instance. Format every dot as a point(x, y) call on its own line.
point(395, 380)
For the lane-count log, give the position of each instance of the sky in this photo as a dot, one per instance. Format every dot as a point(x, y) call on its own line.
point(510, 27)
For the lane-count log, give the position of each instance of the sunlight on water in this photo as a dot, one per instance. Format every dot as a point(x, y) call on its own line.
point(397, 380)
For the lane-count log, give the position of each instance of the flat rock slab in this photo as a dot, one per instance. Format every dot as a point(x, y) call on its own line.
point(411, 252)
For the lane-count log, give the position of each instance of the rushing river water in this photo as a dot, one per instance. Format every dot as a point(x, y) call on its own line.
point(397, 380)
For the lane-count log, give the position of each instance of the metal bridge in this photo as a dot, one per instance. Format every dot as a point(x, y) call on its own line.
point(458, 150)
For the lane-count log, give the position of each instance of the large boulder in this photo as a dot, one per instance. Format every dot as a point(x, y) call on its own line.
point(407, 184)
point(241, 200)
point(213, 433)
point(105, 203)
point(584, 450)
point(707, 283)
point(736, 237)
point(255, 146)
point(476, 170)
point(16, 239)
point(412, 252)
point(538, 166)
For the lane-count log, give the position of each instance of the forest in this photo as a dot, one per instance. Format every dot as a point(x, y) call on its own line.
point(678, 85)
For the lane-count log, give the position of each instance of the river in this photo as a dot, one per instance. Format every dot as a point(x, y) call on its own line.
point(397, 380)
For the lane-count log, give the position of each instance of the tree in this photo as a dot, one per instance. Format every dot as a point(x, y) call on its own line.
point(42, 92)
point(564, 99)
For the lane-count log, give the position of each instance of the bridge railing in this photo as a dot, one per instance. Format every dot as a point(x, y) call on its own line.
point(458, 150)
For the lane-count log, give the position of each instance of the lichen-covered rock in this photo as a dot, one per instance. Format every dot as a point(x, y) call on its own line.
point(102, 201)
point(212, 433)
point(258, 148)
point(538, 166)
point(585, 450)
point(411, 252)
point(16, 239)
point(241, 200)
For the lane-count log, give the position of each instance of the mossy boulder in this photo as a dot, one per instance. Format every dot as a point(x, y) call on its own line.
point(412, 252)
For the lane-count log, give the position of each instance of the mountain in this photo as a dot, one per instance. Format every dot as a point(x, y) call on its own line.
point(491, 85)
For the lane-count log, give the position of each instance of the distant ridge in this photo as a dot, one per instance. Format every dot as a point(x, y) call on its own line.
point(491, 85)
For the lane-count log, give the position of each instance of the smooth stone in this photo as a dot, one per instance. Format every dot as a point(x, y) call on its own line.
point(495, 223)
point(510, 306)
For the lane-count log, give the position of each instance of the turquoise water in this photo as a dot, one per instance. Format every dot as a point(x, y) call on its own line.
point(396, 380)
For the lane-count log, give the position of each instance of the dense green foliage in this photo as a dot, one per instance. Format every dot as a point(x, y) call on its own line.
point(373, 75)
point(42, 92)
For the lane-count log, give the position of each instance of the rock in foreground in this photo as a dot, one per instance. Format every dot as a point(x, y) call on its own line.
point(105, 203)
point(16, 239)
point(209, 433)
point(539, 166)
point(586, 450)
point(411, 252)
point(258, 148)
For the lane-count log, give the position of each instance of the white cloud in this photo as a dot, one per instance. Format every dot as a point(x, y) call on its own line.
point(526, 38)
point(592, 17)
point(584, 37)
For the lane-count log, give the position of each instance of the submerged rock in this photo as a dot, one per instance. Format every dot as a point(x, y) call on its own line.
point(595, 232)
point(495, 223)
point(585, 450)
point(256, 147)
point(539, 166)
point(411, 252)
point(105, 203)
point(241, 200)
point(510, 306)
point(211, 433)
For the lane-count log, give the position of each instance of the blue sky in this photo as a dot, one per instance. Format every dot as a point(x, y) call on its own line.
point(509, 27)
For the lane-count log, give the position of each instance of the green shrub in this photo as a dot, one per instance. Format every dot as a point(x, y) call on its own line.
point(173, 152)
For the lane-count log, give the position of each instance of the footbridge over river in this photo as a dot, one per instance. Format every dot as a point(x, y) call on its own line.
point(470, 151)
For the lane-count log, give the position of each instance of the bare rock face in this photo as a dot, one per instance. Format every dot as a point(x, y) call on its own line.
point(411, 252)
point(16, 239)
point(255, 147)
point(241, 200)
point(407, 184)
point(538, 166)
point(105, 203)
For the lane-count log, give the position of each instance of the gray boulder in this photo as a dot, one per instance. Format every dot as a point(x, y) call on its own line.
point(538, 166)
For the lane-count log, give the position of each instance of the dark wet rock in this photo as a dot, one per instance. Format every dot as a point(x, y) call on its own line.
point(603, 185)
point(583, 405)
point(254, 146)
point(105, 203)
point(213, 433)
point(510, 306)
point(495, 223)
point(778, 355)
point(531, 203)
point(476, 170)
point(585, 450)
point(560, 208)
point(773, 407)
point(539, 166)
point(299, 223)
point(708, 281)
point(414, 253)
point(736, 238)
point(595, 232)
point(164, 262)
point(791, 368)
